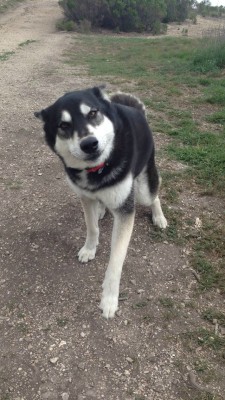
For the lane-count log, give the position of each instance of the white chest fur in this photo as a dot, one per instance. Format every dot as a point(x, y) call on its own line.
point(112, 197)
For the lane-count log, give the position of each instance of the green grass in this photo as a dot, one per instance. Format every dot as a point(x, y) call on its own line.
point(4, 56)
point(27, 42)
point(210, 315)
point(210, 56)
point(217, 117)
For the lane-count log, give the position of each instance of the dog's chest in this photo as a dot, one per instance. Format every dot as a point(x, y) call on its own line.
point(113, 197)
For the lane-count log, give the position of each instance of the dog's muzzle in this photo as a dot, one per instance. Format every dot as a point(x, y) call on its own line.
point(89, 145)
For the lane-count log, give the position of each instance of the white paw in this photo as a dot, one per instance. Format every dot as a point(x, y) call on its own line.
point(86, 254)
point(159, 221)
point(109, 305)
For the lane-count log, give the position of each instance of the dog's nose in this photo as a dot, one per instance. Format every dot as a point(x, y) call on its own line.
point(89, 145)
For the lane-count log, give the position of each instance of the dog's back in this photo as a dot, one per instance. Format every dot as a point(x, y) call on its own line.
point(129, 100)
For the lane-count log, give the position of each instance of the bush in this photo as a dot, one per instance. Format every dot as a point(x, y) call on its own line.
point(121, 15)
point(66, 25)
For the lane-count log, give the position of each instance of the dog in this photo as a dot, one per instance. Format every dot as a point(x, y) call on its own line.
point(107, 149)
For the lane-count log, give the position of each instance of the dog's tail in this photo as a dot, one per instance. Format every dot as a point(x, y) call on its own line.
point(128, 100)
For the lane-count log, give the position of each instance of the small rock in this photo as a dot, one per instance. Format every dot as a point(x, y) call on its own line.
point(139, 291)
point(129, 360)
point(65, 396)
point(82, 334)
point(133, 281)
point(54, 360)
point(62, 343)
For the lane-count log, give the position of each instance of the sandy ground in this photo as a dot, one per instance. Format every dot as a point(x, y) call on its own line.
point(54, 344)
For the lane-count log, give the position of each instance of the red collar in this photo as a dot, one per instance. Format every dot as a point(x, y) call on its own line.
point(98, 168)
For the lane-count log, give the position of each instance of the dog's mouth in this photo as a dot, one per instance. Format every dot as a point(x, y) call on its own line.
point(80, 155)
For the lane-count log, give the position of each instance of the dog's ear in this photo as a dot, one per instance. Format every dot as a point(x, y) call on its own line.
point(42, 115)
point(100, 92)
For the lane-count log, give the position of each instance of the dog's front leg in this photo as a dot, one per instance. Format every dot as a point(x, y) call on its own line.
point(122, 230)
point(91, 215)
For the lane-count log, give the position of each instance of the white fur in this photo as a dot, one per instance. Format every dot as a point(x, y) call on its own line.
point(85, 109)
point(157, 214)
point(112, 197)
point(141, 188)
point(122, 230)
point(66, 117)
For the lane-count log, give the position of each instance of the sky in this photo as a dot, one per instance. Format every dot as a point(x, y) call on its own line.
point(216, 2)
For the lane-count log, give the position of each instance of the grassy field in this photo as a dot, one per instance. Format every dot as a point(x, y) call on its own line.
point(187, 105)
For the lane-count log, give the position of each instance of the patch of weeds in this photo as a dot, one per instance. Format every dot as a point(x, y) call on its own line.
point(190, 304)
point(21, 315)
point(205, 152)
point(210, 55)
point(209, 276)
point(204, 81)
point(148, 318)
point(172, 232)
point(166, 302)
point(211, 315)
point(200, 365)
point(61, 322)
point(23, 328)
point(27, 42)
point(217, 117)
point(140, 304)
point(13, 185)
point(217, 96)
point(206, 396)
point(6, 55)
point(5, 396)
point(170, 312)
point(206, 339)
point(211, 239)
point(171, 182)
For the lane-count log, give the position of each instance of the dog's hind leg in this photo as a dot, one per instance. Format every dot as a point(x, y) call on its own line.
point(146, 188)
point(91, 215)
point(122, 230)
point(157, 214)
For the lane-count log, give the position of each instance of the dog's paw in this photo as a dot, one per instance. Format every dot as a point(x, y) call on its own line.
point(86, 254)
point(160, 221)
point(109, 305)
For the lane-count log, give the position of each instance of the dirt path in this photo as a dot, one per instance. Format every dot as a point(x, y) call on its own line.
point(54, 343)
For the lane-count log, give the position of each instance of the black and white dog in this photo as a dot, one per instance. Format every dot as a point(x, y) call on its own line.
point(107, 150)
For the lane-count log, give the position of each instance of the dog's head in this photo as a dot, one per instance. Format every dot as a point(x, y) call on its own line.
point(79, 127)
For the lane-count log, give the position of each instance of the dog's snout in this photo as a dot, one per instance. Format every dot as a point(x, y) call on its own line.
point(89, 144)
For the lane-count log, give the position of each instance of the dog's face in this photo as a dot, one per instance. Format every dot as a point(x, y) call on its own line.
point(79, 129)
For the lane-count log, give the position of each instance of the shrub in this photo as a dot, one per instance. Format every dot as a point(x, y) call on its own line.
point(66, 25)
point(129, 15)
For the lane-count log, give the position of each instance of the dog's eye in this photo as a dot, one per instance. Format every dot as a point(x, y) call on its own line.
point(64, 125)
point(92, 114)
